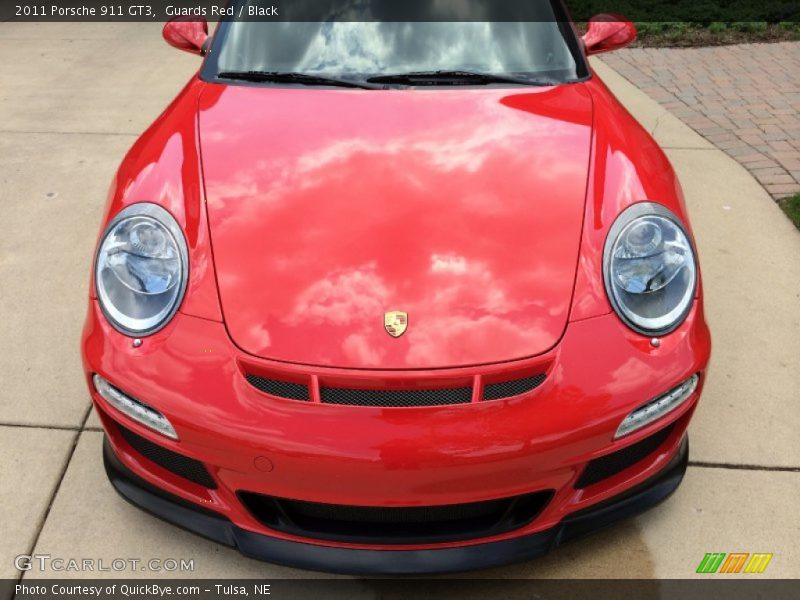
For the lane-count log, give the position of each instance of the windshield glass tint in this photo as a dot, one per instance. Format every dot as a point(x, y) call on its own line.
point(381, 48)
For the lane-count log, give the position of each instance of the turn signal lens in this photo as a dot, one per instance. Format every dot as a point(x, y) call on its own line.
point(139, 412)
point(655, 409)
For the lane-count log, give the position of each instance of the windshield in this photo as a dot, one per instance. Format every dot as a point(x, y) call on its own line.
point(544, 50)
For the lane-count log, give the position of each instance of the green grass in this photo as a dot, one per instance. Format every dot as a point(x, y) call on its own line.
point(681, 33)
point(791, 206)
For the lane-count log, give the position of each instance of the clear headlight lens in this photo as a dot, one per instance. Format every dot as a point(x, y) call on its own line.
point(141, 268)
point(649, 269)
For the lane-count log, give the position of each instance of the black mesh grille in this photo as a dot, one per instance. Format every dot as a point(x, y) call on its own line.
point(380, 515)
point(515, 387)
point(389, 398)
point(282, 389)
point(394, 398)
point(180, 465)
point(396, 525)
point(616, 462)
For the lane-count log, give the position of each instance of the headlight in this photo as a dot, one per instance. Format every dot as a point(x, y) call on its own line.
point(649, 269)
point(141, 269)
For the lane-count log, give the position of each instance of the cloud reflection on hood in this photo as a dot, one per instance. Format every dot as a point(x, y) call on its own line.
point(452, 207)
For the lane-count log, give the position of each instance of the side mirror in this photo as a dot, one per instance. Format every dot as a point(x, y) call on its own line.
point(608, 32)
point(187, 33)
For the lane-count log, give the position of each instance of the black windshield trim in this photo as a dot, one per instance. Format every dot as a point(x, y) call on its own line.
point(304, 79)
point(457, 78)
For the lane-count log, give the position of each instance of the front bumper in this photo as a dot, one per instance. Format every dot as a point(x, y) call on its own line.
point(390, 457)
point(393, 562)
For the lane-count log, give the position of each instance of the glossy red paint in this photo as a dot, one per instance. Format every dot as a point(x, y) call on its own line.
point(627, 167)
point(461, 208)
point(295, 201)
point(187, 33)
point(608, 32)
point(396, 456)
point(163, 166)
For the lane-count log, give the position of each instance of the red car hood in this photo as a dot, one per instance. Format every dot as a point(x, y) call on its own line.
point(462, 208)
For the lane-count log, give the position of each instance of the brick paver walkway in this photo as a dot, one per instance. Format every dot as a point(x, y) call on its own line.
point(745, 99)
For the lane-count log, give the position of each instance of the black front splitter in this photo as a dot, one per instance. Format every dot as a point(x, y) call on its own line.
point(392, 562)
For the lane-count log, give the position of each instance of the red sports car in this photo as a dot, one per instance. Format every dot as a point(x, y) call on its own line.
point(395, 297)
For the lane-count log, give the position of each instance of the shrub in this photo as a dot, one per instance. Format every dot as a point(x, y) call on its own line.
point(749, 26)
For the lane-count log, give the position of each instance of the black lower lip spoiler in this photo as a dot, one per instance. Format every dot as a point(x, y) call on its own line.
point(392, 562)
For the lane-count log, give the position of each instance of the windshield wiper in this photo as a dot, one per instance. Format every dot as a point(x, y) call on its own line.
point(300, 78)
point(453, 78)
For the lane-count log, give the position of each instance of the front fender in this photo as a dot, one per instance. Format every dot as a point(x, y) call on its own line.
point(163, 166)
point(627, 166)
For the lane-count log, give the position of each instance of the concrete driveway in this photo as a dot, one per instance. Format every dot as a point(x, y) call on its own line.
point(74, 96)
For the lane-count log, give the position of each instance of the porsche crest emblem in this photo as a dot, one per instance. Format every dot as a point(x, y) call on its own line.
point(395, 322)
